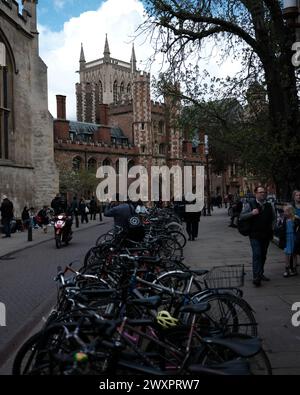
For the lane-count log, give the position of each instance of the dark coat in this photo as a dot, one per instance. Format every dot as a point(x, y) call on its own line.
point(7, 209)
point(193, 216)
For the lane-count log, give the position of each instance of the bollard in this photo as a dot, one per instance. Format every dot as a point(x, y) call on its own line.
point(29, 233)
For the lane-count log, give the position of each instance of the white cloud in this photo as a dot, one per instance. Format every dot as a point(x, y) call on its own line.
point(61, 50)
point(119, 19)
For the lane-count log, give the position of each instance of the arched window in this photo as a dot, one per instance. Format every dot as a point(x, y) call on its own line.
point(121, 90)
point(162, 149)
point(106, 162)
point(100, 92)
point(130, 164)
point(161, 127)
point(6, 99)
point(77, 163)
point(128, 89)
point(92, 164)
point(115, 92)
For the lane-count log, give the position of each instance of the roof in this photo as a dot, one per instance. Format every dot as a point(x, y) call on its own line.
point(85, 128)
point(117, 133)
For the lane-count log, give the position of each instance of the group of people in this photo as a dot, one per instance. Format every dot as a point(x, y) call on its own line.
point(30, 217)
point(262, 217)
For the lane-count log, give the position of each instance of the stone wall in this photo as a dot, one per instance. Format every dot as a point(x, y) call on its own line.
point(29, 176)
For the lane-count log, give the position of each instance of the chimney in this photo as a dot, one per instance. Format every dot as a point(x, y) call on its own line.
point(61, 106)
point(102, 117)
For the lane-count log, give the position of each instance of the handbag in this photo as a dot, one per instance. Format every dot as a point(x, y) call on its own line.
point(244, 226)
point(86, 210)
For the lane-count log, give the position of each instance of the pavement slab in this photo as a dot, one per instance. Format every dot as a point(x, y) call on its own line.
point(219, 245)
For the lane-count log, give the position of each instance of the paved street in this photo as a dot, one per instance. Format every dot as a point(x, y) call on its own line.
point(30, 290)
point(220, 245)
point(27, 287)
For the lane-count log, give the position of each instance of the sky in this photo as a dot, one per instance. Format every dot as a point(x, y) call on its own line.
point(65, 24)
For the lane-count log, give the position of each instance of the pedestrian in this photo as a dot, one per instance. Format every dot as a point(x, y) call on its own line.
point(192, 219)
point(287, 238)
point(296, 205)
point(59, 204)
point(121, 212)
point(219, 201)
point(7, 214)
point(43, 218)
point(93, 208)
point(75, 210)
point(226, 200)
point(141, 208)
point(236, 209)
point(25, 218)
point(83, 210)
point(261, 215)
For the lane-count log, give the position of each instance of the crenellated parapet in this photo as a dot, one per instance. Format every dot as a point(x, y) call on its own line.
point(99, 147)
point(120, 108)
point(158, 108)
point(26, 20)
point(141, 76)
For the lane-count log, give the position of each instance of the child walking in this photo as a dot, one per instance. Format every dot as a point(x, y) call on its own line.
point(289, 241)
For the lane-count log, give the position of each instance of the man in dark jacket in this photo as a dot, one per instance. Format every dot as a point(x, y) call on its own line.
point(120, 212)
point(192, 220)
point(7, 213)
point(93, 208)
point(261, 215)
point(59, 204)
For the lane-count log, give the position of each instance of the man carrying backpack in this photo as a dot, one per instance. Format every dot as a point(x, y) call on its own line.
point(124, 216)
point(261, 216)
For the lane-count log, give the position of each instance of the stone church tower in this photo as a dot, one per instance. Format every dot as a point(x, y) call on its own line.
point(106, 80)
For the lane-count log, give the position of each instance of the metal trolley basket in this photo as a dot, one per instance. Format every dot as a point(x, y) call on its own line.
point(231, 276)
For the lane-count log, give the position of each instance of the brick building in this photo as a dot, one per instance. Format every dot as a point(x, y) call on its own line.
point(28, 175)
point(117, 118)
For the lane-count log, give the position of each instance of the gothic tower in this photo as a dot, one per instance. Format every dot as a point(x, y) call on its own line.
point(142, 128)
point(103, 81)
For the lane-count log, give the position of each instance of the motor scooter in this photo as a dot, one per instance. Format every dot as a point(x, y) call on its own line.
point(62, 229)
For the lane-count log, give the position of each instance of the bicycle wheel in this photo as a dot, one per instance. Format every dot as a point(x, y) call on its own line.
point(178, 236)
point(219, 356)
point(227, 314)
point(40, 354)
point(169, 247)
point(106, 237)
point(178, 281)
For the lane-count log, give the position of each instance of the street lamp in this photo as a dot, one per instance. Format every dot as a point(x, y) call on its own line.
point(206, 151)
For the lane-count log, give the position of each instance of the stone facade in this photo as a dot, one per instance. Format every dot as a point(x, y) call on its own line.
point(28, 175)
point(118, 119)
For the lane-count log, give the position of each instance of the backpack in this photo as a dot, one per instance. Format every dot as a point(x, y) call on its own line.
point(134, 220)
point(244, 226)
point(136, 231)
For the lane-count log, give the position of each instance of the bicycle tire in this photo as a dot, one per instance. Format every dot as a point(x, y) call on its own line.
point(228, 314)
point(173, 279)
point(213, 355)
point(178, 236)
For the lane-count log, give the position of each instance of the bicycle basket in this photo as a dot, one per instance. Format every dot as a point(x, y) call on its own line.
point(225, 276)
